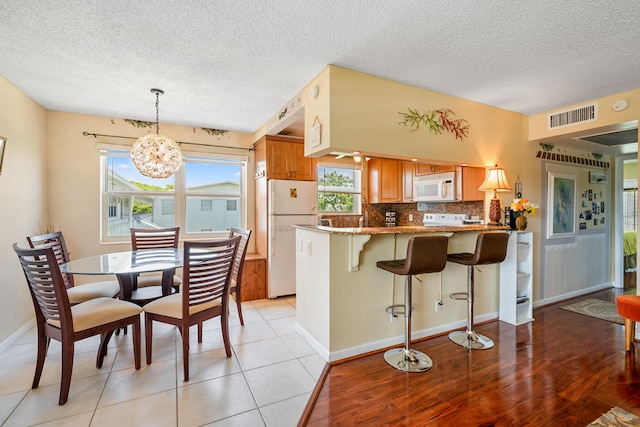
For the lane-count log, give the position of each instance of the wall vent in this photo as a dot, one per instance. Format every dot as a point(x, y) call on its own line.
point(582, 114)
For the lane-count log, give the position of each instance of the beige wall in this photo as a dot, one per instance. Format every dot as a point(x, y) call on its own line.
point(74, 172)
point(23, 196)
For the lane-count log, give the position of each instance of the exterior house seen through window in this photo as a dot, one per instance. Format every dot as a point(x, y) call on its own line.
point(197, 198)
point(339, 189)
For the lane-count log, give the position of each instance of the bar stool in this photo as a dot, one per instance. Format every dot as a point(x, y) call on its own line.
point(491, 248)
point(425, 254)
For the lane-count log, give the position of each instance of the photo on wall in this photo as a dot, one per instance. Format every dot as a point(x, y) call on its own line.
point(562, 194)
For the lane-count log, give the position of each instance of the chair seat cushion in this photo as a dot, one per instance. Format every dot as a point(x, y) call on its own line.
point(464, 258)
point(393, 266)
point(629, 306)
point(86, 292)
point(172, 306)
point(99, 311)
point(155, 279)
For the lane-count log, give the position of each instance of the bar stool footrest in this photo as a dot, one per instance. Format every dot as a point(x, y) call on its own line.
point(459, 296)
point(397, 309)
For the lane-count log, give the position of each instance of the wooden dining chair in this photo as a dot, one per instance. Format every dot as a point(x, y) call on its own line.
point(57, 319)
point(206, 277)
point(80, 293)
point(148, 286)
point(238, 265)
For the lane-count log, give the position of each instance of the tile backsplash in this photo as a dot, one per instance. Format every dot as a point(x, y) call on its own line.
point(377, 212)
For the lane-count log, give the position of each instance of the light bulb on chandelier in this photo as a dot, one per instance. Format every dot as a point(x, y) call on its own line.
point(155, 155)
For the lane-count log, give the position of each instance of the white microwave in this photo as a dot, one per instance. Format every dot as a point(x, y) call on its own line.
point(439, 187)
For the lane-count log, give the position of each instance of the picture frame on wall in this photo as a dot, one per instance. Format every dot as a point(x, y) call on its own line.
point(3, 143)
point(561, 222)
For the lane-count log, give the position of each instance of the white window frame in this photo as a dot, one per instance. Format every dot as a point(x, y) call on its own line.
point(179, 194)
point(357, 189)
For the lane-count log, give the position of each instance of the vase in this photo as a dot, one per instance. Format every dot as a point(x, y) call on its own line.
point(521, 223)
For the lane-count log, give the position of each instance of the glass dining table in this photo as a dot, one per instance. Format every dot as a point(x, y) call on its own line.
point(127, 265)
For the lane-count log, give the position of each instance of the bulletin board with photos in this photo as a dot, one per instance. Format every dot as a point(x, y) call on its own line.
point(592, 209)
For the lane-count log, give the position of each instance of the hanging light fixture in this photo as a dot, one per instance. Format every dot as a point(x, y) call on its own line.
point(155, 155)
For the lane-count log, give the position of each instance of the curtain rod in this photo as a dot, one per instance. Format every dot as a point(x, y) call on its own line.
point(95, 135)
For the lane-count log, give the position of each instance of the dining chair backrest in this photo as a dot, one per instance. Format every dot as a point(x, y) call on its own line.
point(46, 284)
point(207, 272)
point(241, 254)
point(143, 238)
point(56, 242)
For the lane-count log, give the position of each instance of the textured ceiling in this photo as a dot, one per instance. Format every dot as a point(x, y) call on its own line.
point(231, 64)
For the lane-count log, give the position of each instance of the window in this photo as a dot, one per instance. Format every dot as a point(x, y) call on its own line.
point(339, 189)
point(630, 208)
point(197, 198)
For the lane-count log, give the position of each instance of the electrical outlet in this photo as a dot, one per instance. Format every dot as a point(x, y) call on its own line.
point(438, 305)
point(392, 317)
point(410, 217)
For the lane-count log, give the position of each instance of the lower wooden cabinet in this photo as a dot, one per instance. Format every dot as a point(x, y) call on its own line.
point(254, 278)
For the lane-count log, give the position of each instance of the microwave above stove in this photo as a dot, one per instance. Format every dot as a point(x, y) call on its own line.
point(439, 187)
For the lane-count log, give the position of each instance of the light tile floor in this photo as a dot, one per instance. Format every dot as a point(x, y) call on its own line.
point(266, 382)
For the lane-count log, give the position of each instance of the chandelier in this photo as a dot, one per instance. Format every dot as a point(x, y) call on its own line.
point(155, 155)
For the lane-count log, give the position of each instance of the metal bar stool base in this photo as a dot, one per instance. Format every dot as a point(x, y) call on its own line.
point(408, 360)
point(471, 340)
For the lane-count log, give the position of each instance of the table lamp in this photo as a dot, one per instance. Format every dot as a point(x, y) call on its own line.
point(495, 181)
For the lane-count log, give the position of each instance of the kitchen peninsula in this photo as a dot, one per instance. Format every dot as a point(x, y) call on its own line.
point(342, 296)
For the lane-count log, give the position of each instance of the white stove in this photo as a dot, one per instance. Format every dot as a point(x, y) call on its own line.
point(444, 219)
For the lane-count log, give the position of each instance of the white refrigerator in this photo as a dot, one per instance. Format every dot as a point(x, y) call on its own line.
point(289, 203)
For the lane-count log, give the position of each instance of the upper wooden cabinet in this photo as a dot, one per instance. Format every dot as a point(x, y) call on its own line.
point(470, 179)
point(429, 169)
point(385, 181)
point(283, 158)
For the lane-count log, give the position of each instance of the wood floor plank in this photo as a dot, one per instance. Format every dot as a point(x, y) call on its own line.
point(562, 369)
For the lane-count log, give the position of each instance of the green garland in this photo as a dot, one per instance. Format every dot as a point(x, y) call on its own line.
point(437, 121)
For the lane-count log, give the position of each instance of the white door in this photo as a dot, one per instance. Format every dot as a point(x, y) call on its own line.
point(282, 253)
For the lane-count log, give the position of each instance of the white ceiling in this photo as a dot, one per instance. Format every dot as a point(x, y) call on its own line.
point(232, 64)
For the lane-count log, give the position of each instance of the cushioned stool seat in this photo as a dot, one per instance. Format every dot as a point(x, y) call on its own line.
point(629, 308)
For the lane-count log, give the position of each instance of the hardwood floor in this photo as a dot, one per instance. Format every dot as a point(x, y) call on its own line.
point(563, 369)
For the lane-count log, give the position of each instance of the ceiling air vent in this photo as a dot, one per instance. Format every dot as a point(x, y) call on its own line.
point(583, 114)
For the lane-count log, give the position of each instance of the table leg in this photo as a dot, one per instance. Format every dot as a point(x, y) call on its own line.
point(126, 285)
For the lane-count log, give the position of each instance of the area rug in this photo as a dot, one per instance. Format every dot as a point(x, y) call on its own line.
point(616, 417)
point(604, 310)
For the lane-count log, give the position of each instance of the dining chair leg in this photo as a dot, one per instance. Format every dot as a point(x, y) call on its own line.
point(43, 346)
point(102, 349)
point(239, 305)
point(67, 369)
point(200, 327)
point(224, 320)
point(185, 352)
point(136, 343)
point(148, 335)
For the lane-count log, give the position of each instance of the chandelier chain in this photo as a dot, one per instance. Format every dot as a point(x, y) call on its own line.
point(157, 113)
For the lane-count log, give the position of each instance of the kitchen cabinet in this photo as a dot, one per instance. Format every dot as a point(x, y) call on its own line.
point(516, 298)
point(429, 169)
point(408, 172)
point(283, 158)
point(469, 180)
point(385, 181)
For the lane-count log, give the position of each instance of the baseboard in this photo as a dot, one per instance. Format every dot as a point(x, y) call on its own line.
point(349, 352)
point(558, 298)
point(11, 339)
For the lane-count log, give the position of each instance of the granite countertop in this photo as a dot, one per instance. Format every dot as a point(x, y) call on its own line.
point(407, 229)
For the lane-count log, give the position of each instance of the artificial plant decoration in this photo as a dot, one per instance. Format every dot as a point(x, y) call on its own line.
point(437, 121)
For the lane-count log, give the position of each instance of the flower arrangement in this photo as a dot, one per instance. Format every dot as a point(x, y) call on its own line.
point(524, 206)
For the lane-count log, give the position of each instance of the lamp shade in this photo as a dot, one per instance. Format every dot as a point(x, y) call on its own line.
point(496, 180)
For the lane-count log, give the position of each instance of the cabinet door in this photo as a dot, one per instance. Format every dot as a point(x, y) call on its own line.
point(408, 170)
point(472, 179)
point(303, 168)
point(385, 181)
point(429, 169)
point(278, 160)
